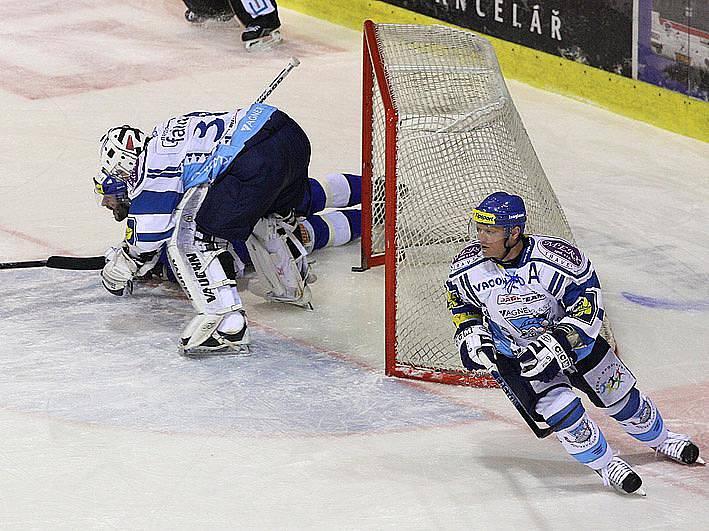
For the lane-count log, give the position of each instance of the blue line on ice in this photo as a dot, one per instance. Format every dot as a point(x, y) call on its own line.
point(666, 304)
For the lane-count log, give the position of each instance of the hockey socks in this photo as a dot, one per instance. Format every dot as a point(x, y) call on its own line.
point(581, 437)
point(640, 418)
point(334, 190)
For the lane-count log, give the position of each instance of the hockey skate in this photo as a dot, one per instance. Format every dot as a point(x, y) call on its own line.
point(679, 448)
point(621, 477)
point(217, 343)
point(256, 38)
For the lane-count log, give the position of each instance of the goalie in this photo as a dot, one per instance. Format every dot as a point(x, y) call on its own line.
point(532, 306)
point(199, 181)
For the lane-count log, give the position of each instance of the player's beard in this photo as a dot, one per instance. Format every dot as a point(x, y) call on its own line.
point(120, 212)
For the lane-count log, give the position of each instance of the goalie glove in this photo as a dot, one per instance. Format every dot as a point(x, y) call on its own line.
point(117, 274)
point(544, 358)
point(474, 342)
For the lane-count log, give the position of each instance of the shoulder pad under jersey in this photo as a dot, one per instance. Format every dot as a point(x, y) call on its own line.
point(559, 252)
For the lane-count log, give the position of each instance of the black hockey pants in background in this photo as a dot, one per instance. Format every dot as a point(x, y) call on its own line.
point(270, 176)
point(216, 8)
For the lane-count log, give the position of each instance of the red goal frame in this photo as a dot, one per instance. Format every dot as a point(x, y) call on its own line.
point(374, 71)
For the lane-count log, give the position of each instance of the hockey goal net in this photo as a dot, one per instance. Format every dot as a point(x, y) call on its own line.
point(440, 133)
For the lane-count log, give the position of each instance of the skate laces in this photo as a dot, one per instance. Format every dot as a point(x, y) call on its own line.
point(615, 472)
point(673, 445)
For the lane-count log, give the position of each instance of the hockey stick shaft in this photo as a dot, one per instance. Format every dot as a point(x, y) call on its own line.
point(292, 63)
point(76, 263)
point(539, 431)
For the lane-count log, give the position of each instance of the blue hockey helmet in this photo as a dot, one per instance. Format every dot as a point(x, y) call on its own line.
point(501, 210)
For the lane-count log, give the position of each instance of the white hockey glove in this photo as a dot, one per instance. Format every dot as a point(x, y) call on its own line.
point(117, 274)
point(474, 342)
point(545, 357)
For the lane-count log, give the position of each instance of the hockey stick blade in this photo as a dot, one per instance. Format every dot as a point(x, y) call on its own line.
point(76, 263)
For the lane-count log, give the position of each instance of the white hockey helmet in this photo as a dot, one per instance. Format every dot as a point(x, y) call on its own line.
point(120, 148)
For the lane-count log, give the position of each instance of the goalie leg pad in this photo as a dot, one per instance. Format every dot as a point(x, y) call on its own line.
point(194, 260)
point(280, 261)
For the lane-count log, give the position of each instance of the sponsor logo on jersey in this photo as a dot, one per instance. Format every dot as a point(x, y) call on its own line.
point(561, 253)
point(471, 251)
point(513, 298)
point(251, 119)
point(586, 308)
point(174, 134)
point(489, 284)
point(130, 230)
point(530, 324)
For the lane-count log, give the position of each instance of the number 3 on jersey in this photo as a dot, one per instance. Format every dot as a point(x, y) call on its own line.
point(203, 127)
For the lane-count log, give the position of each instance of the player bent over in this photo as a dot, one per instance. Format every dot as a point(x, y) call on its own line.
point(326, 218)
point(259, 18)
point(533, 306)
point(196, 183)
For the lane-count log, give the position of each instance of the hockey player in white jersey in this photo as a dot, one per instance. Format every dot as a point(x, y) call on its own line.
point(196, 183)
point(533, 306)
point(328, 216)
point(259, 18)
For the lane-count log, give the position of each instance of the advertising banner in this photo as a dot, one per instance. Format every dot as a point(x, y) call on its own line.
point(673, 45)
point(594, 32)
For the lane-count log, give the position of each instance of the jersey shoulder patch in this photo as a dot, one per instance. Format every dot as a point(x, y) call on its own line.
point(560, 252)
point(470, 254)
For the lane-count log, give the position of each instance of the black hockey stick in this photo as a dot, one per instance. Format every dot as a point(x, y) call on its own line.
point(539, 430)
point(76, 263)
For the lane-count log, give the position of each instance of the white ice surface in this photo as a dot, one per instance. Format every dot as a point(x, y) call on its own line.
point(104, 426)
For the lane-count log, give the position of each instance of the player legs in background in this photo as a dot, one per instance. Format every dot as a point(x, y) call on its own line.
point(260, 18)
point(199, 11)
point(337, 191)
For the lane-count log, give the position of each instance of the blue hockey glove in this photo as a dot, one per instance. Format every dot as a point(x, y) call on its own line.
point(544, 358)
point(474, 342)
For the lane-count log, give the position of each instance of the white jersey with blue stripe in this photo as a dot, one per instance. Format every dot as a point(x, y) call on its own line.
point(553, 283)
point(183, 152)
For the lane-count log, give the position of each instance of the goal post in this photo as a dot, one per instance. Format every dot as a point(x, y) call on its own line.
point(439, 133)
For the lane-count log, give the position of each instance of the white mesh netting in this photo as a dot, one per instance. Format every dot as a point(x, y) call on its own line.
point(458, 139)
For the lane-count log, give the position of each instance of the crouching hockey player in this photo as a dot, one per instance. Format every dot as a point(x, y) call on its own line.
point(532, 306)
point(259, 18)
point(328, 216)
point(196, 183)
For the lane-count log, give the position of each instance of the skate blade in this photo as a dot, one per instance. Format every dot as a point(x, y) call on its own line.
point(197, 353)
point(264, 43)
point(305, 304)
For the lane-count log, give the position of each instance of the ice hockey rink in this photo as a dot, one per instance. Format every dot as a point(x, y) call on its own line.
point(104, 426)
